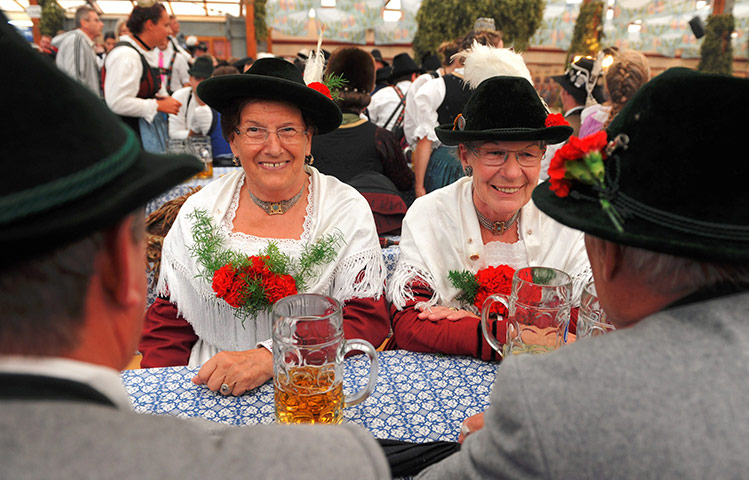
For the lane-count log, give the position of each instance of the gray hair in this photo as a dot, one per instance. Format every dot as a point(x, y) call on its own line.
point(668, 274)
point(43, 299)
point(81, 13)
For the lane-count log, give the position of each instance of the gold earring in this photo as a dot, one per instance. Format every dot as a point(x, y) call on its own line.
point(236, 162)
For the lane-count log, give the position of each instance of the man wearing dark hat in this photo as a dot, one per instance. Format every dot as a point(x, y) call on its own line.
point(194, 116)
point(387, 106)
point(379, 61)
point(575, 83)
point(72, 293)
point(665, 395)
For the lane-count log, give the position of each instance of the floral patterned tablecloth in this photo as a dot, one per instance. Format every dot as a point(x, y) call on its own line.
point(419, 397)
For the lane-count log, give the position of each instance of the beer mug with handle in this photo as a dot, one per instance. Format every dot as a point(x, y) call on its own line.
point(308, 352)
point(538, 311)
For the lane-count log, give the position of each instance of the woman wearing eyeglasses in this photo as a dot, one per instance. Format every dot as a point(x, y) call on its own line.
point(484, 219)
point(269, 116)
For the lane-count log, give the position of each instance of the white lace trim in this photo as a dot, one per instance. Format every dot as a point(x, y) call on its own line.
point(510, 254)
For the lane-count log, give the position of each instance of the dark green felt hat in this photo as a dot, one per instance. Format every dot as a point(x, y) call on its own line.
point(677, 176)
point(502, 108)
point(272, 79)
point(71, 166)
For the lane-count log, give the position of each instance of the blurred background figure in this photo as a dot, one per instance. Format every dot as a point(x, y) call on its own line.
point(46, 47)
point(628, 72)
point(387, 106)
point(109, 41)
point(194, 116)
point(574, 93)
point(361, 153)
point(76, 56)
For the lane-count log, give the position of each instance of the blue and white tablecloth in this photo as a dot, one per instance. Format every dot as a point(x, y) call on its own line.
point(419, 397)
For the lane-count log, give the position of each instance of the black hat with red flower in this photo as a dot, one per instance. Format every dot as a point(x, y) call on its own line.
point(504, 108)
point(661, 178)
point(274, 79)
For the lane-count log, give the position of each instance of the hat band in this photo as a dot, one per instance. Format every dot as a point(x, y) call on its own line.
point(628, 206)
point(63, 190)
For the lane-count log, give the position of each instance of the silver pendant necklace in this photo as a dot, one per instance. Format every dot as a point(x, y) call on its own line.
point(277, 208)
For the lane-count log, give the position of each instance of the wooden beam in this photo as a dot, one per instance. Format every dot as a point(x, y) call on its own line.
point(35, 25)
point(249, 28)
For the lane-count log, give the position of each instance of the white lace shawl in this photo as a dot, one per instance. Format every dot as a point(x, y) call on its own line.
point(441, 233)
point(358, 271)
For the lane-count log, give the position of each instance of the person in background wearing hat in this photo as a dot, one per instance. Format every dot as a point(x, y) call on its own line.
point(379, 61)
point(483, 219)
point(382, 78)
point(439, 101)
point(628, 72)
point(575, 83)
point(663, 396)
point(386, 107)
point(269, 116)
point(72, 293)
point(194, 116)
point(359, 152)
point(132, 87)
point(75, 54)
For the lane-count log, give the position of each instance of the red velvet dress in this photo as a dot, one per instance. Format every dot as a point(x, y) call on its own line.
point(454, 337)
point(168, 338)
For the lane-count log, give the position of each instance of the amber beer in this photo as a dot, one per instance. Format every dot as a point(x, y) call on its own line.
point(207, 170)
point(309, 394)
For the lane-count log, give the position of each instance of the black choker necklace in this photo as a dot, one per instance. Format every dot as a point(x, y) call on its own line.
point(148, 47)
point(277, 208)
point(497, 228)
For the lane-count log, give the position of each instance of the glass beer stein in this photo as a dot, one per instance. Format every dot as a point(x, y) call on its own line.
point(592, 320)
point(200, 145)
point(538, 312)
point(308, 352)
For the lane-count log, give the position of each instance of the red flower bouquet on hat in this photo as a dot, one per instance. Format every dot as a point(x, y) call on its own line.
point(581, 160)
point(251, 284)
point(476, 288)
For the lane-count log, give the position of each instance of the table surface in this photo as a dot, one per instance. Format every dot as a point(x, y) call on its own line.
point(419, 397)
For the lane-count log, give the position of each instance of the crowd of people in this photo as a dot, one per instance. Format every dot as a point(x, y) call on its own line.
point(463, 160)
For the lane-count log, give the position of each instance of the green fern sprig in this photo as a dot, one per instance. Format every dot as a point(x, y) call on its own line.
point(466, 282)
point(335, 83)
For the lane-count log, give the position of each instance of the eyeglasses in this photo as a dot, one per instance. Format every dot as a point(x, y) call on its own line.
point(494, 156)
point(286, 135)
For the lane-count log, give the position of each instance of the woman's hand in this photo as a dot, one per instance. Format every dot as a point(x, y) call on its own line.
point(241, 371)
point(471, 425)
point(437, 313)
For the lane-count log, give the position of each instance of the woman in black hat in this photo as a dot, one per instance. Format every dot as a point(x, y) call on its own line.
point(269, 116)
point(482, 220)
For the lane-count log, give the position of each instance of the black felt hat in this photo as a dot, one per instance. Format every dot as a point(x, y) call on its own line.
point(502, 108)
point(576, 79)
point(678, 177)
point(72, 167)
point(272, 79)
point(378, 56)
point(403, 64)
point(202, 67)
point(382, 75)
point(356, 66)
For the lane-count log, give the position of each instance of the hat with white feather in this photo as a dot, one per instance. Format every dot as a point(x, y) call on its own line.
point(504, 104)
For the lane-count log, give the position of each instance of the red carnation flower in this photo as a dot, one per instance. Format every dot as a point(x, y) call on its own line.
point(493, 280)
point(234, 297)
point(223, 279)
point(322, 88)
point(257, 267)
point(277, 287)
point(556, 120)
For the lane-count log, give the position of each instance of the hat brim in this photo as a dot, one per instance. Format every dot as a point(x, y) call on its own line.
point(565, 84)
point(589, 217)
point(554, 134)
point(149, 176)
point(221, 92)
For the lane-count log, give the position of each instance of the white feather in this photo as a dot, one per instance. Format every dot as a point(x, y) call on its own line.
point(482, 62)
point(315, 64)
